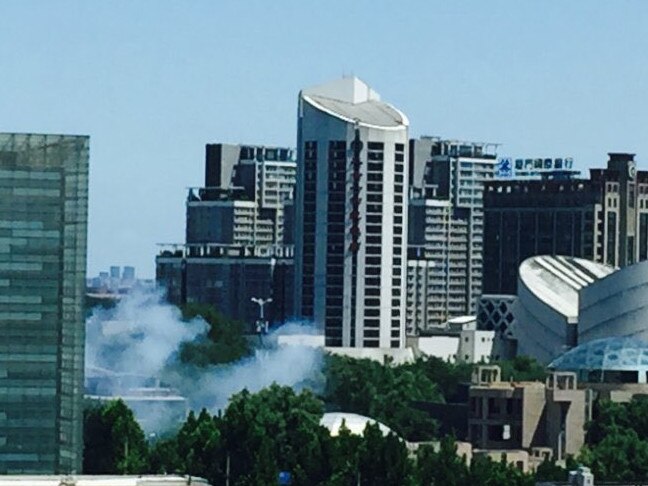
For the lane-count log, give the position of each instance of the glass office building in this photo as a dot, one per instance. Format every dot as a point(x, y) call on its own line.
point(43, 228)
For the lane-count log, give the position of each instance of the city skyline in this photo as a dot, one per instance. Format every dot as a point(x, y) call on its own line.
point(152, 85)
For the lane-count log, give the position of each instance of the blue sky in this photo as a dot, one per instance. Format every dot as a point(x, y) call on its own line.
point(152, 81)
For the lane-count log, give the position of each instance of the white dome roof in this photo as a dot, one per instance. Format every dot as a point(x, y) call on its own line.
point(352, 421)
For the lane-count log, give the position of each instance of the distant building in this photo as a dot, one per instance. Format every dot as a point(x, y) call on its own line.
point(228, 276)
point(444, 269)
point(113, 285)
point(351, 215)
point(459, 341)
point(43, 221)
point(603, 218)
point(235, 240)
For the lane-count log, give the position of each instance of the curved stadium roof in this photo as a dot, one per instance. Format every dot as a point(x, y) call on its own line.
point(616, 353)
point(556, 280)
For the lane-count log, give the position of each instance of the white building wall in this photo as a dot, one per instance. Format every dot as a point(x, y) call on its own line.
point(476, 346)
point(541, 331)
point(443, 347)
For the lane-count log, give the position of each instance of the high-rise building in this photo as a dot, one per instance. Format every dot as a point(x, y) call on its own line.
point(444, 268)
point(235, 246)
point(246, 188)
point(603, 218)
point(43, 226)
point(351, 214)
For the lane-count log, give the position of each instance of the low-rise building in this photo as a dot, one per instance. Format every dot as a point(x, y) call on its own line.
point(526, 415)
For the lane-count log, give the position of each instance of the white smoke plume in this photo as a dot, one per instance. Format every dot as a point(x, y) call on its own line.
point(136, 344)
point(139, 336)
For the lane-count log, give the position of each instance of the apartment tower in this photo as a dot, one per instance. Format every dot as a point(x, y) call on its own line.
point(351, 214)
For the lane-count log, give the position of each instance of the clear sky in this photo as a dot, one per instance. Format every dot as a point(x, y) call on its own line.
point(152, 81)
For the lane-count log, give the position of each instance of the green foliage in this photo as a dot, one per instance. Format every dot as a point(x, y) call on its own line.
point(197, 449)
point(385, 393)
point(550, 471)
point(225, 341)
point(617, 441)
point(442, 467)
point(446, 376)
point(113, 440)
point(486, 472)
point(522, 368)
point(383, 460)
point(275, 430)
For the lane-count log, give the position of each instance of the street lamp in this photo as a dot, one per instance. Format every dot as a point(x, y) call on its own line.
point(261, 324)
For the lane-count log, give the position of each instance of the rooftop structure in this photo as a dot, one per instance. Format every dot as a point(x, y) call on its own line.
point(353, 101)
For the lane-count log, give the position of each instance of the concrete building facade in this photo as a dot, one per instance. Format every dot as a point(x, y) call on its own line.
point(527, 415)
point(603, 218)
point(445, 229)
point(43, 232)
point(351, 215)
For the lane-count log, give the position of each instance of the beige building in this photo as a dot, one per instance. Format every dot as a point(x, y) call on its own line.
point(531, 416)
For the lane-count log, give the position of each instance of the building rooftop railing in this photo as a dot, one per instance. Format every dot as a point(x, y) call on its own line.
point(215, 250)
point(216, 194)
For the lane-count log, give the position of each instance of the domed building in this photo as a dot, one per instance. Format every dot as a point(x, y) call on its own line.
point(614, 360)
point(356, 423)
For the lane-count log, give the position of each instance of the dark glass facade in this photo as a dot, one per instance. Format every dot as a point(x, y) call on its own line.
point(43, 227)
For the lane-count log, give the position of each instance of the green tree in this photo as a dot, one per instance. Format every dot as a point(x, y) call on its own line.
point(114, 443)
point(620, 456)
point(442, 467)
point(385, 393)
point(344, 457)
point(550, 471)
point(276, 430)
point(225, 341)
point(486, 472)
point(522, 368)
point(383, 461)
point(446, 376)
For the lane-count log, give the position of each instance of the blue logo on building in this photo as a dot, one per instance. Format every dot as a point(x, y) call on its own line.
point(504, 168)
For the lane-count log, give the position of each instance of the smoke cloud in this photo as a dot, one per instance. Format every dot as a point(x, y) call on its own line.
point(136, 345)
